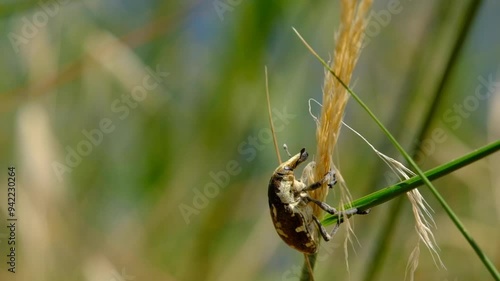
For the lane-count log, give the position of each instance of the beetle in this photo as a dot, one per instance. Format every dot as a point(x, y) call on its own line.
point(291, 213)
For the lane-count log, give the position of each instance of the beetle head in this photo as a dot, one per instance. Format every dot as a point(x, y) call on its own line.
point(291, 164)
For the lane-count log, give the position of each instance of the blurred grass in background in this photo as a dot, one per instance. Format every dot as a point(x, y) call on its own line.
point(69, 69)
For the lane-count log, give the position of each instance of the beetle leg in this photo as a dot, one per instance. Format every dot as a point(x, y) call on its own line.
point(358, 212)
point(323, 231)
point(333, 180)
point(329, 209)
point(313, 186)
point(329, 179)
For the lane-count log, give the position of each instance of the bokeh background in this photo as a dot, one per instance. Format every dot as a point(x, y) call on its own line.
point(172, 185)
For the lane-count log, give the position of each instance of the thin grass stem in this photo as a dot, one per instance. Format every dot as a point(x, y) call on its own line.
point(383, 195)
point(482, 256)
point(377, 257)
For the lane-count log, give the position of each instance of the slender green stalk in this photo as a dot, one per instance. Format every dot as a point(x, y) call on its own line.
point(382, 241)
point(388, 193)
point(305, 274)
point(486, 261)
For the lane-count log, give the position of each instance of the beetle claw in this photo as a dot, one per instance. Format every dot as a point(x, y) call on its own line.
point(330, 178)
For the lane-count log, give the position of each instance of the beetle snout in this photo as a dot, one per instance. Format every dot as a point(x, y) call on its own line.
point(303, 156)
point(297, 159)
point(293, 162)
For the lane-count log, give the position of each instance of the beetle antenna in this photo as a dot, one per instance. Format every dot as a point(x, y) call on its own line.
point(271, 118)
point(286, 149)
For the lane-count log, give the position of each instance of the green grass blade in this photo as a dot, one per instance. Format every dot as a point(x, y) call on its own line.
point(486, 261)
point(304, 274)
point(388, 193)
point(382, 244)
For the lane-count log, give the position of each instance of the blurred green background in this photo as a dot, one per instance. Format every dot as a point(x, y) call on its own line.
point(140, 136)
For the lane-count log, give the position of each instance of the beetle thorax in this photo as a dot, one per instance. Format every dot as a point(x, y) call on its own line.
point(289, 192)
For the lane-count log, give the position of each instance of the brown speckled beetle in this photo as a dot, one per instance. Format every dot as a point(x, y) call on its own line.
point(291, 213)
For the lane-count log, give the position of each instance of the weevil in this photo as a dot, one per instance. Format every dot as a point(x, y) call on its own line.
point(291, 212)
